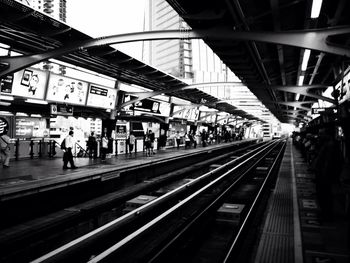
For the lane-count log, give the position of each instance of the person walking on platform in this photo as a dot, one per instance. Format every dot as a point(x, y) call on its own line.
point(104, 147)
point(68, 154)
point(5, 149)
point(132, 140)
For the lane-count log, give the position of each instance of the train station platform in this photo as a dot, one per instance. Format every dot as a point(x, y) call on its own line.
point(32, 175)
point(294, 228)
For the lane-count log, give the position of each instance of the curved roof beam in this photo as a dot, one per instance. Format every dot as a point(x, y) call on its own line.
point(145, 95)
point(310, 39)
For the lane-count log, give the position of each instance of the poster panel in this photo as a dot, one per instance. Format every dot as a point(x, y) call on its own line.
point(66, 90)
point(101, 97)
point(29, 83)
point(164, 109)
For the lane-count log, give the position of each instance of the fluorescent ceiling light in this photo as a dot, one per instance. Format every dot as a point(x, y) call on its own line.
point(22, 114)
point(301, 80)
point(305, 59)
point(36, 101)
point(2, 97)
point(316, 8)
point(36, 115)
point(297, 96)
point(4, 103)
point(7, 113)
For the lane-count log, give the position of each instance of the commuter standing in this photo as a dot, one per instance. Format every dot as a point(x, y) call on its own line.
point(187, 141)
point(132, 140)
point(91, 145)
point(148, 144)
point(152, 139)
point(5, 149)
point(68, 155)
point(204, 137)
point(178, 138)
point(104, 147)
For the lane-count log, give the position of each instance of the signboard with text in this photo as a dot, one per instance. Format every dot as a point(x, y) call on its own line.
point(66, 90)
point(64, 110)
point(101, 97)
point(323, 110)
point(6, 84)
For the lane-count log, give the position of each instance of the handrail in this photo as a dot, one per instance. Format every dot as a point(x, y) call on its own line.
point(85, 152)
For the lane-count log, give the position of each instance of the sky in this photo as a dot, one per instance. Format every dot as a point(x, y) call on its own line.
point(108, 17)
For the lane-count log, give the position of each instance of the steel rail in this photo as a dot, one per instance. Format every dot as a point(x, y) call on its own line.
point(80, 242)
point(212, 204)
point(252, 208)
point(163, 216)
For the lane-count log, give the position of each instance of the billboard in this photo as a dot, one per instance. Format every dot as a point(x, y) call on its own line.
point(28, 83)
point(190, 114)
point(66, 90)
point(147, 105)
point(101, 97)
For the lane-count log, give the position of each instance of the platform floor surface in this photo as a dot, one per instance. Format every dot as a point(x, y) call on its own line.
point(31, 170)
point(294, 227)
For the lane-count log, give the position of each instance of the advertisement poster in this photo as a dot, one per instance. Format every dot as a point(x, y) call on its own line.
point(66, 90)
point(29, 83)
point(31, 127)
point(4, 126)
point(148, 105)
point(345, 90)
point(190, 114)
point(101, 97)
point(164, 109)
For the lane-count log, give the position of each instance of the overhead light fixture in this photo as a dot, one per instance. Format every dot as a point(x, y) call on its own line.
point(21, 114)
point(305, 59)
point(7, 113)
point(36, 115)
point(2, 97)
point(316, 8)
point(4, 103)
point(297, 96)
point(301, 80)
point(36, 101)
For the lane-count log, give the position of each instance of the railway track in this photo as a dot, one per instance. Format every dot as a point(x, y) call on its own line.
point(168, 227)
point(23, 242)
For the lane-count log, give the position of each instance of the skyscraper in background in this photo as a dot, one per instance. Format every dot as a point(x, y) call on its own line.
point(190, 60)
point(171, 56)
point(53, 8)
point(57, 10)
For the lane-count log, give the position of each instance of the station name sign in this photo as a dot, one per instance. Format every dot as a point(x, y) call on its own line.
point(65, 110)
point(323, 110)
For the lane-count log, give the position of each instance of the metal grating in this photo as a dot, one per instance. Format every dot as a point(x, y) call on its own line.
point(277, 240)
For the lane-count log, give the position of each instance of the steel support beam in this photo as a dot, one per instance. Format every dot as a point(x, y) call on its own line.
point(310, 39)
point(304, 90)
point(297, 104)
